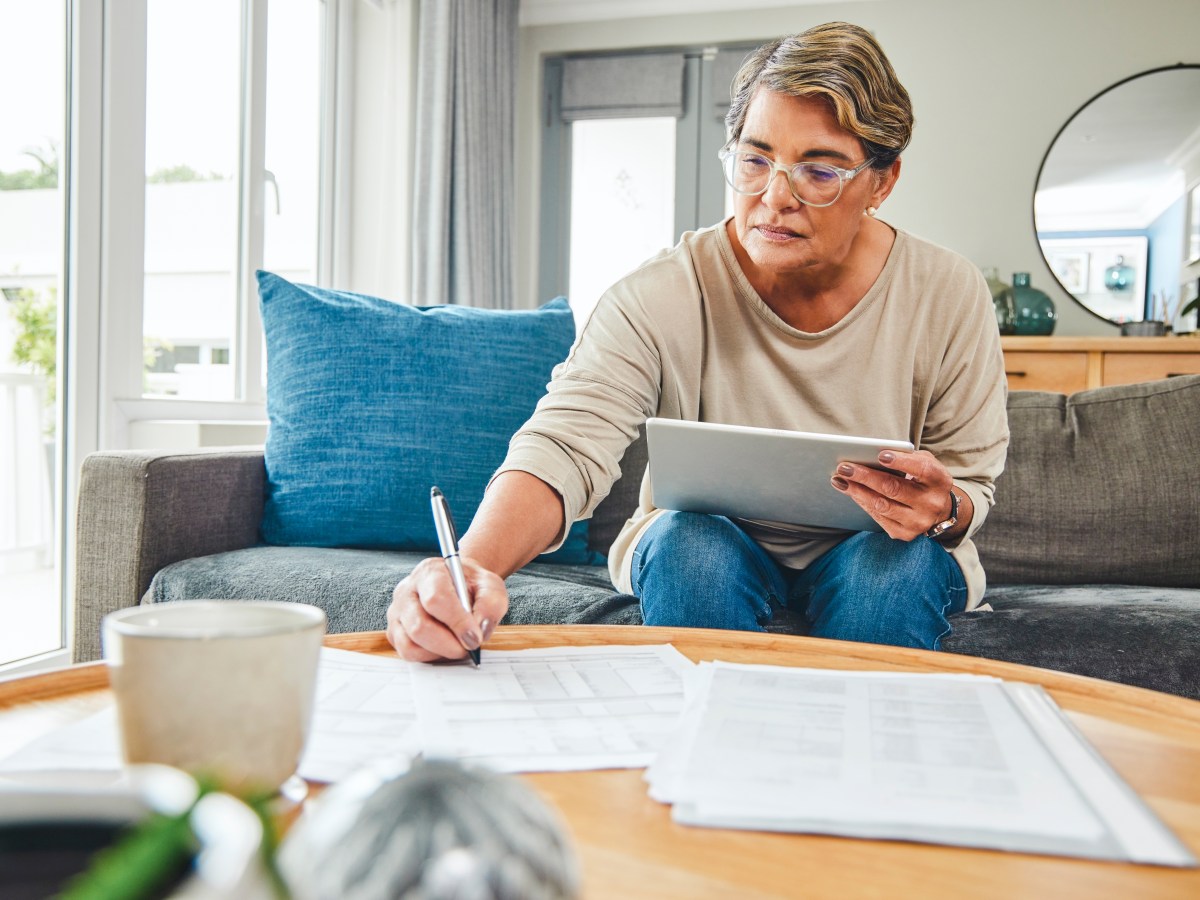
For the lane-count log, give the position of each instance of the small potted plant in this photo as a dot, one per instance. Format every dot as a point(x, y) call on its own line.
point(158, 833)
point(1191, 307)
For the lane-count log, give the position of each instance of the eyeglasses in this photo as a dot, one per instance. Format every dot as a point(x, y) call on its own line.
point(814, 184)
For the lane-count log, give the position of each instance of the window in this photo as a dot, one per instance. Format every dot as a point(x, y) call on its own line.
point(192, 157)
point(622, 200)
point(199, 235)
point(192, 208)
point(629, 156)
point(32, 112)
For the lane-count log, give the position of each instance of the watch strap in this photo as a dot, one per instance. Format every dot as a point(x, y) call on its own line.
point(945, 525)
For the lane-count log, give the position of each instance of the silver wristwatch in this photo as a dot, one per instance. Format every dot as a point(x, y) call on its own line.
point(944, 526)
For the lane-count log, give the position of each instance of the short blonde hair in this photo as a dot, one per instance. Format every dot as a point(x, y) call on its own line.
point(842, 63)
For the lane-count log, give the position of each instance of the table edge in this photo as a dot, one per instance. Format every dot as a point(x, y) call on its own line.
point(701, 644)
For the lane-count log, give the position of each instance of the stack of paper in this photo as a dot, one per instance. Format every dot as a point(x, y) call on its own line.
point(950, 759)
point(558, 709)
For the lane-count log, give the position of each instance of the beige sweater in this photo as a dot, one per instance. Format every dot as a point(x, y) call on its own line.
point(685, 336)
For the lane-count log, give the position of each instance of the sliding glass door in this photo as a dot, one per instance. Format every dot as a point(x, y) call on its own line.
point(33, 46)
point(153, 155)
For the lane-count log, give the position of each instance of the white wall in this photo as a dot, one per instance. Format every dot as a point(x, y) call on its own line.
point(991, 82)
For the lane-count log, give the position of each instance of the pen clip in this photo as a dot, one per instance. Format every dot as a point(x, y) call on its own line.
point(443, 521)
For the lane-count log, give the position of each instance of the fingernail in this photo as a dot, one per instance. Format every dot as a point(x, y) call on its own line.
point(840, 483)
point(488, 627)
point(470, 639)
point(887, 456)
point(845, 469)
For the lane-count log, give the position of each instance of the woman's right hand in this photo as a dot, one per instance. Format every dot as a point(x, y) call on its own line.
point(426, 621)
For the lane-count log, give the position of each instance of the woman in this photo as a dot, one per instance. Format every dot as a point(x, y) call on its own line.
point(802, 311)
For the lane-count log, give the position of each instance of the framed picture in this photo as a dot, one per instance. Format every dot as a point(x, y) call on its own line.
point(1071, 269)
point(1191, 250)
point(1087, 268)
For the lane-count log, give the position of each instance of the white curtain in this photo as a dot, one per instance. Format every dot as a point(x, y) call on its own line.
point(463, 195)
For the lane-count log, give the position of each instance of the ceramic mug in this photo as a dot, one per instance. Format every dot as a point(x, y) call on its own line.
point(218, 688)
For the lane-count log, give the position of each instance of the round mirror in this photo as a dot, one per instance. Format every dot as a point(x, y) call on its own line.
point(1118, 195)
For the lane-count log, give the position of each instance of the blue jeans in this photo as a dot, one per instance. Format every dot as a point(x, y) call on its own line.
point(702, 571)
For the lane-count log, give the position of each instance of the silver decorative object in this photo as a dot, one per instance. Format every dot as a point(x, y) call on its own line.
point(439, 831)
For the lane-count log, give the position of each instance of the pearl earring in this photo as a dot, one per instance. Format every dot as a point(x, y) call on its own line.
point(870, 211)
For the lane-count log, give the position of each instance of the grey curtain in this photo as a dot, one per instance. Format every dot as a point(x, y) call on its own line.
point(724, 67)
point(463, 192)
point(615, 87)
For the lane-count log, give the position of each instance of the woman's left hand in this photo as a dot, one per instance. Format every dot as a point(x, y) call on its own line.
point(904, 507)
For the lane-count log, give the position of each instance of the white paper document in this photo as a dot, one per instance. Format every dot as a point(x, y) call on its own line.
point(364, 712)
point(954, 759)
point(558, 709)
point(90, 745)
point(522, 711)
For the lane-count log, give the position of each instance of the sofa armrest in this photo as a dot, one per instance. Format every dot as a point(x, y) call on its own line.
point(139, 511)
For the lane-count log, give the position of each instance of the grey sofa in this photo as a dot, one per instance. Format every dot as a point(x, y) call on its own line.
point(1092, 550)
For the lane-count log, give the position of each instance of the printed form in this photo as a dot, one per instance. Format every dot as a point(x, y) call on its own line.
point(558, 709)
point(955, 759)
point(364, 712)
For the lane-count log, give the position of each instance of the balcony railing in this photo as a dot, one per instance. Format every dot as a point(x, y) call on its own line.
point(30, 604)
point(26, 475)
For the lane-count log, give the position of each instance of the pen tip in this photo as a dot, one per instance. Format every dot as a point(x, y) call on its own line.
point(434, 492)
point(474, 656)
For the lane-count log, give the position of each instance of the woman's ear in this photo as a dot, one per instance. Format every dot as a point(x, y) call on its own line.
point(885, 180)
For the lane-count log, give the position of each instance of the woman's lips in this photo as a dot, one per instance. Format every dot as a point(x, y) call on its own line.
point(776, 233)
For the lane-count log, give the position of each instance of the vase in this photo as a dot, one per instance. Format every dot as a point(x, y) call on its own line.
point(1034, 311)
point(1119, 276)
point(1002, 301)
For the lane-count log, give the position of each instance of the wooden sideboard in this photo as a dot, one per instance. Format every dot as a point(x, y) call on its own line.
point(1069, 364)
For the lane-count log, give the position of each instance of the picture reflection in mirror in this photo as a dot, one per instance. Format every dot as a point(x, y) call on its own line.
point(1111, 206)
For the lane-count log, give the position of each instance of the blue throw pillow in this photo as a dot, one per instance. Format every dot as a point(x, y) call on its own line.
point(372, 402)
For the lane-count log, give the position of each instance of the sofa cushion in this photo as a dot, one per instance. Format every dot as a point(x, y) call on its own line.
point(372, 402)
point(354, 587)
point(1134, 635)
point(1099, 487)
point(1131, 634)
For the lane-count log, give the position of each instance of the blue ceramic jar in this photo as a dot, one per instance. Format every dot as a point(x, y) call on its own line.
point(1034, 311)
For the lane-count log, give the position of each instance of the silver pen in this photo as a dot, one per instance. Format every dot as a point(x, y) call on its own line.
point(448, 541)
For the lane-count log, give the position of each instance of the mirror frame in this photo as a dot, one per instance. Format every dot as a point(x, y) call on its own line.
point(1045, 156)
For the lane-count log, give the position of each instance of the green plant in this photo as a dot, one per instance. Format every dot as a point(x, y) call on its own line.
point(1191, 307)
point(152, 854)
point(181, 174)
point(44, 177)
point(36, 343)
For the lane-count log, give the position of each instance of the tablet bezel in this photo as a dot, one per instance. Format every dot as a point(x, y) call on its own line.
point(781, 476)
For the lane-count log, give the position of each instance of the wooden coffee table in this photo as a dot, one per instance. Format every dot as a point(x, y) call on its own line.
point(629, 847)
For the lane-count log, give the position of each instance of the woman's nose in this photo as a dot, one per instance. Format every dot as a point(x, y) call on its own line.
point(778, 194)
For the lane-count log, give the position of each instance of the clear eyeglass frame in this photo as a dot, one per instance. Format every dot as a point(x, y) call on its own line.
point(729, 154)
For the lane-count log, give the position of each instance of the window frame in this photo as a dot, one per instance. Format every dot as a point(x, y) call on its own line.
point(107, 113)
point(103, 270)
point(699, 136)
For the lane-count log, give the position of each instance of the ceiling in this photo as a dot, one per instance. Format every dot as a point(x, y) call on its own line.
point(1125, 156)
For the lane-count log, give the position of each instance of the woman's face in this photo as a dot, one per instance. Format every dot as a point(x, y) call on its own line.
point(780, 234)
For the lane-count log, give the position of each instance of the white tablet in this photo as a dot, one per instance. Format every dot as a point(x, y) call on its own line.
point(764, 474)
